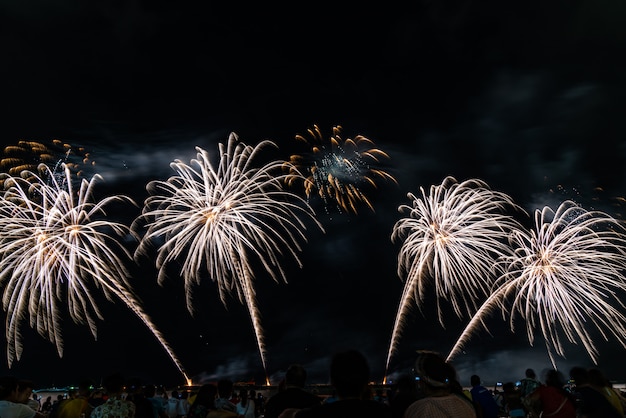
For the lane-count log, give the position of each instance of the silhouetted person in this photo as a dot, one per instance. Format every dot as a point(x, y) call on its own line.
point(405, 394)
point(78, 404)
point(529, 383)
point(245, 406)
point(56, 404)
point(512, 400)
point(483, 399)
point(599, 381)
point(204, 404)
point(26, 394)
point(590, 402)
point(115, 405)
point(97, 398)
point(172, 407)
point(293, 394)
point(47, 405)
point(143, 406)
point(440, 390)
point(349, 375)
point(551, 399)
point(158, 402)
point(224, 393)
point(10, 405)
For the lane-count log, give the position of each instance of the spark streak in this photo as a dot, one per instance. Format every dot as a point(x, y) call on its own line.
point(562, 276)
point(222, 219)
point(51, 240)
point(26, 156)
point(452, 236)
point(337, 169)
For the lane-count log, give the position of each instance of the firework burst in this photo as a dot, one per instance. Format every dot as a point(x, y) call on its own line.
point(24, 158)
point(564, 275)
point(338, 170)
point(221, 220)
point(451, 237)
point(55, 242)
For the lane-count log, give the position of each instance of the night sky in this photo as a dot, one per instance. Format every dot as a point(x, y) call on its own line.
point(527, 97)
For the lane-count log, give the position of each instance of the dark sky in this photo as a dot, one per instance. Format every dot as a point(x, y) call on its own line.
point(528, 97)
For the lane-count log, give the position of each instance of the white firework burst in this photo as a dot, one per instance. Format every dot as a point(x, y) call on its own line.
point(451, 239)
point(565, 275)
point(220, 220)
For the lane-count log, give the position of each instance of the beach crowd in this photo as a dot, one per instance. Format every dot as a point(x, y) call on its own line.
point(432, 390)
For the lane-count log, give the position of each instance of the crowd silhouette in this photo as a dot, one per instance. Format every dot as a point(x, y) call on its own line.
point(432, 389)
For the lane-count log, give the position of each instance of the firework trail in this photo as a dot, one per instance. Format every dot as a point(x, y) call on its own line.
point(52, 241)
point(222, 220)
point(336, 169)
point(24, 159)
point(562, 277)
point(451, 237)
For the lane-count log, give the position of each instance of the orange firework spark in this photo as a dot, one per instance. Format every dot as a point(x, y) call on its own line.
point(337, 169)
point(24, 159)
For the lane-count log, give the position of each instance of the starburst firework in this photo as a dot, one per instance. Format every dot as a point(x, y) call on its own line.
point(220, 220)
point(451, 237)
point(53, 241)
point(338, 170)
point(564, 275)
point(24, 158)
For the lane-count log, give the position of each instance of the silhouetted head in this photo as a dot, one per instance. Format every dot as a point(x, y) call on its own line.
point(295, 376)
point(579, 375)
point(149, 391)
point(225, 388)
point(433, 371)
point(24, 390)
point(597, 378)
point(475, 380)
point(134, 385)
point(508, 387)
point(554, 378)
point(405, 383)
point(84, 387)
point(349, 373)
point(8, 386)
point(206, 396)
point(114, 383)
